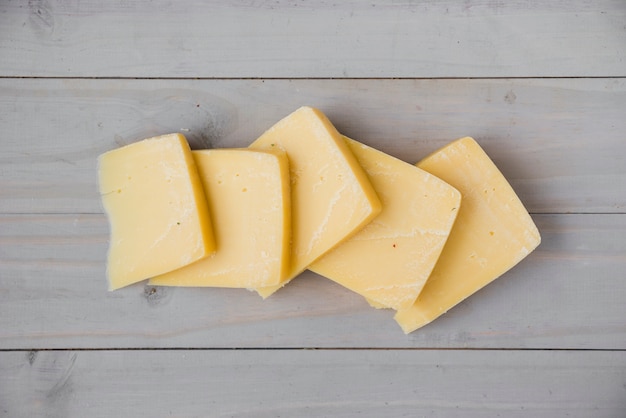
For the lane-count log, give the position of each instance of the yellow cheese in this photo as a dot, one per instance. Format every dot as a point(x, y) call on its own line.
point(492, 233)
point(332, 197)
point(375, 304)
point(158, 213)
point(248, 195)
point(390, 259)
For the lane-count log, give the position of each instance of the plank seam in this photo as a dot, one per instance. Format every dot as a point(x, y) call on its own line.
point(101, 213)
point(307, 78)
point(529, 349)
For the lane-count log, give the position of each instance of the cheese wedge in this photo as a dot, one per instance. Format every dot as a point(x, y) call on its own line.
point(493, 232)
point(331, 196)
point(248, 195)
point(390, 259)
point(156, 207)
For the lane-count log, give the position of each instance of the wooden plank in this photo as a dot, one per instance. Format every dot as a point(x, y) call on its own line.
point(559, 141)
point(385, 38)
point(313, 383)
point(568, 294)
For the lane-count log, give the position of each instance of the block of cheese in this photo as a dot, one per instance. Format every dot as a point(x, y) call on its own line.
point(248, 195)
point(156, 207)
point(493, 232)
point(331, 196)
point(390, 259)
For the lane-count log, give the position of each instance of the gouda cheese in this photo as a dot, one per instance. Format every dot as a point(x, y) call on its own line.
point(248, 195)
point(332, 197)
point(492, 233)
point(156, 207)
point(390, 259)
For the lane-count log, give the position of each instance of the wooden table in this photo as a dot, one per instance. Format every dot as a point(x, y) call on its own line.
point(540, 84)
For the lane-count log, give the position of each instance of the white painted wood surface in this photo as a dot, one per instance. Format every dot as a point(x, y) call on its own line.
point(261, 38)
point(567, 295)
point(313, 383)
point(560, 142)
point(541, 85)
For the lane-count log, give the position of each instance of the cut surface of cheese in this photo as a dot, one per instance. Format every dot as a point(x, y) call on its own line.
point(389, 260)
point(156, 207)
point(331, 196)
point(248, 196)
point(492, 233)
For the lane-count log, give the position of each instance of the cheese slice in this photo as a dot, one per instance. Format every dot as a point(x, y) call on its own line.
point(248, 195)
point(331, 196)
point(390, 259)
point(493, 232)
point(156, 207)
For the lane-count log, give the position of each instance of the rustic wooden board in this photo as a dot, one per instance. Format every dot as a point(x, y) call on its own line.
point(484, 38)
point(313, 383)
point(568, 294)
point(541, 85)
point(559, 141)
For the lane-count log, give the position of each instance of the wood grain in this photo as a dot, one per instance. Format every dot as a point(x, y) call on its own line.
point(560, 142)
point(251, 38)
point(540, 84)
point(568, 294)
point(313, 383)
